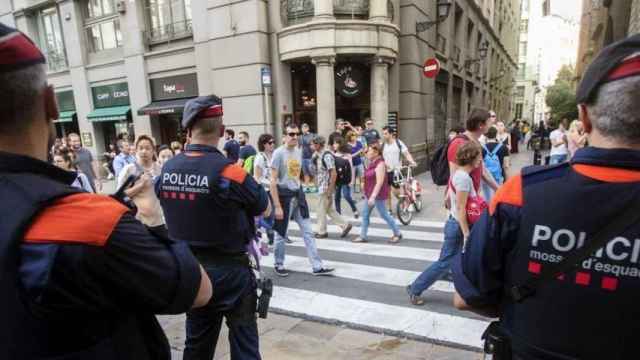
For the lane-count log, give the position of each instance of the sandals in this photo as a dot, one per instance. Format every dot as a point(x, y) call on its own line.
point(395, 239)
point(359, 240)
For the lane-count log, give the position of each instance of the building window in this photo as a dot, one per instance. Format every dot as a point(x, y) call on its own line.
point(524, 26)
point(522, 68)
point(168, 19)
point(522, 52)
point(98, 8)
point(51, 39)
point(518, 112)
point(102, 25)
point(520, 91)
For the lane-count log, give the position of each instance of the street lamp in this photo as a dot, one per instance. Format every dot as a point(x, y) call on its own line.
point(444, 7)
point(482, 53)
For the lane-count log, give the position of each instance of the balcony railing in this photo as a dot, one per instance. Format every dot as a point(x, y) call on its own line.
point(176, 30)
point(56, 60)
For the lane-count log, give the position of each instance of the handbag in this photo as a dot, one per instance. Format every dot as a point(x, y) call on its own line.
point(476, 205)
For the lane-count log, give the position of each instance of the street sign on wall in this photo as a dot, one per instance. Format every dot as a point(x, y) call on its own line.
point(265, 75)
point(431, 68)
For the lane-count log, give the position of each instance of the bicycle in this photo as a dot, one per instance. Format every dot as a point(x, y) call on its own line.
point(410, 200)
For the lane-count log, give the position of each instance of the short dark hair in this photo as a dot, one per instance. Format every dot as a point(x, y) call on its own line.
point(164, 147)
point(20, 90)
point(290, 125)
point(477, 118)
point(244, 133)
point(492, 133)
point(230, 132)
point(262, 140)
point(457, 129)
point(389, 129)
point(148, 138)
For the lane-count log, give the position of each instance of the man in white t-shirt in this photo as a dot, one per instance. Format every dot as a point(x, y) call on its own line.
point(393, 151)
point(559, 151)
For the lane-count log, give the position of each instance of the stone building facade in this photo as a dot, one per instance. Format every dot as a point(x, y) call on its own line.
point(634, 19)
point(127, 66)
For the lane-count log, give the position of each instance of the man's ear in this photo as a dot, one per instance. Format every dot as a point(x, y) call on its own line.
point(50, 104)
point(583, 116)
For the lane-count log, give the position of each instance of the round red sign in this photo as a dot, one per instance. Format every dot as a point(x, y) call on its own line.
point(431, 68)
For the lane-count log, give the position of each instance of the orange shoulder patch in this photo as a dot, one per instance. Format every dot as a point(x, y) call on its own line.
point(509, 193)
point(87, 219)
point(234, 173)
point(608, 174)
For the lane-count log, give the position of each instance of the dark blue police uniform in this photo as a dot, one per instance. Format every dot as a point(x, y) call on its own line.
point(535, 220)
point(210, 203)
point(81, 278)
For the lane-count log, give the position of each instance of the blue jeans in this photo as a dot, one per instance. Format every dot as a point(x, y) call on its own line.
point(306, 167)
point(451, 247)
point(557, 159)
point(344, 190)
point(487, 191)
point(235, 300)
point(307, 236)
point(382, 210)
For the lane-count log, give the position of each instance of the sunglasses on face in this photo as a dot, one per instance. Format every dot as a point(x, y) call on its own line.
point(293, 134)
point(271, 142)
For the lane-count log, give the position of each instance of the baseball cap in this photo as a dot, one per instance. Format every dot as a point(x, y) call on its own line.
point(616, 61)
point(201, 107)
point(17, 51)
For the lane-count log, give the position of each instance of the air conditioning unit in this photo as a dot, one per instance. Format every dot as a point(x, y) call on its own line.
point(121, 7)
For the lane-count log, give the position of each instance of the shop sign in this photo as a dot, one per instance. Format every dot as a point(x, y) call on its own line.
point(110, 95)
point(349, 79)
point(66, 101)
point(265, 75)
point(174, 87)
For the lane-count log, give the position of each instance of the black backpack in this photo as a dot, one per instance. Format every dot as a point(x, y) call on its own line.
point(439, 166)
point(343, 169)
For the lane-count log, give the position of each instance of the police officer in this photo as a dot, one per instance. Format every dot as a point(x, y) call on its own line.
point(210, 203)
point(80, 278)
point(537, 219)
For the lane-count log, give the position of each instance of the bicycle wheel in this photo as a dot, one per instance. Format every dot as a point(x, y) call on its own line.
point(403, 209)
point(418, 203)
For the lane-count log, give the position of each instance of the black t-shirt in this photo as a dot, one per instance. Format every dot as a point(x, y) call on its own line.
point(247, 151)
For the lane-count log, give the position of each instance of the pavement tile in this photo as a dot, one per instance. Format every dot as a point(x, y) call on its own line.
point(355, 339)
point(278, 322)
point(315, 330)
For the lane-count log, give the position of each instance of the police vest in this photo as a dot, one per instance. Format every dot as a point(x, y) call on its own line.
point(192, 194)
point(589, 313)
point(29, 332)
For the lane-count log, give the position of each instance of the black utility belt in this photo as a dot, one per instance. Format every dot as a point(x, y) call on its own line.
point(216, 258)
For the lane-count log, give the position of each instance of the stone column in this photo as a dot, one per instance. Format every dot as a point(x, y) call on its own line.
point(323, 9)
point(380, 90)
point(378, 10)
point(325, 93)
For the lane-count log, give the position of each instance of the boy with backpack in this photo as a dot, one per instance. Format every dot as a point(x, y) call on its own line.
point(324, 164)
point(496, 160)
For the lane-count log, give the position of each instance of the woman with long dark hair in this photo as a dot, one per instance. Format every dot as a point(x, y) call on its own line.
point(64, 159)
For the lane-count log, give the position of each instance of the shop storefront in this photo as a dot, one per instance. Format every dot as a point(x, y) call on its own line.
point(352, 92)
point(112, 112)
point(169, 96)
point(67, 122)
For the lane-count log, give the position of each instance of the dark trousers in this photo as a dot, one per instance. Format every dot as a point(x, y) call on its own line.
point(235, 300)
point(344, 190)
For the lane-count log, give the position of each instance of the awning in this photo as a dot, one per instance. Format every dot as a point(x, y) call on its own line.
point(65, 117)
point(164, 107)
point(115, 113)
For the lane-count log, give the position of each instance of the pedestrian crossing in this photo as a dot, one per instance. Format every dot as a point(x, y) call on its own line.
point(368, 289)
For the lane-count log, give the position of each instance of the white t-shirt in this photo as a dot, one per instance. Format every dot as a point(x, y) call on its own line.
point(556, 135)
point(461, 182)
point(392, 155)
point(263, 163)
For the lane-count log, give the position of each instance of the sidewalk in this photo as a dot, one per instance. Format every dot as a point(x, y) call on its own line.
point(283, 338)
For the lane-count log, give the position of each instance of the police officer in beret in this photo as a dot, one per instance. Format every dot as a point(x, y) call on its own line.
point(557, 257)
point(80, 277)
point(210, 203)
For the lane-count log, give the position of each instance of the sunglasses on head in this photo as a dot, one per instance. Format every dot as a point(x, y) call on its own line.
point(271, 142)
point(293, 134)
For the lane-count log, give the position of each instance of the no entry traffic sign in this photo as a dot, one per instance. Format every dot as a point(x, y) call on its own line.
point(431, 68)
